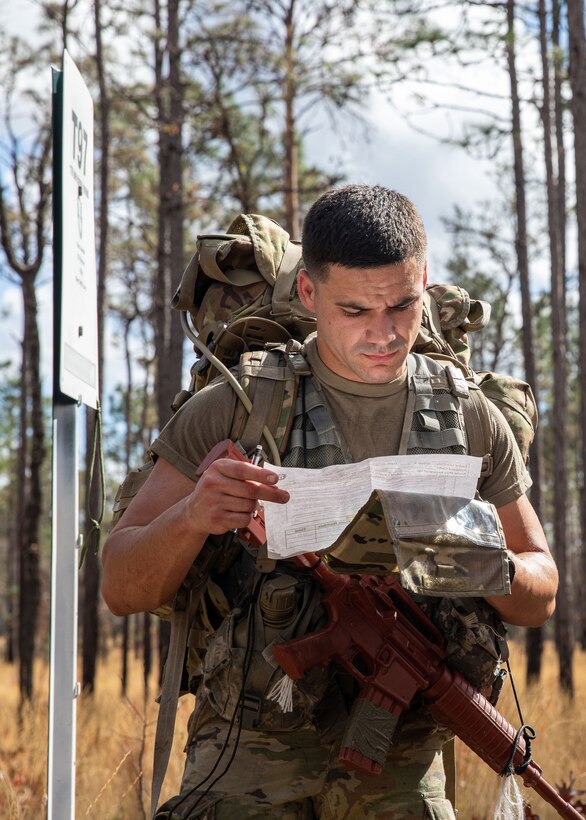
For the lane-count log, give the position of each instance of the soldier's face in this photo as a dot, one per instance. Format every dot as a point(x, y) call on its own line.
point(367, 318)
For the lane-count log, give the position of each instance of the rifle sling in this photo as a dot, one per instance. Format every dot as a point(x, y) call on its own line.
point(180, 622)
point(449, 758)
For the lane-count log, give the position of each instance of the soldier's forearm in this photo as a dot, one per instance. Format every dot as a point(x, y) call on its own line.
point(145, 565)
point(532, 598)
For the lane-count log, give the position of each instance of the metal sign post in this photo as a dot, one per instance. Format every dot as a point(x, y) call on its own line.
point(63, 685)
point(75, 381)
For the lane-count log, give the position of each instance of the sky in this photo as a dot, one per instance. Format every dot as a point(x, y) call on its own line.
point(434, 176)
point(384, 149)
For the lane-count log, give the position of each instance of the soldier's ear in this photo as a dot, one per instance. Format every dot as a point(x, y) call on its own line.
point(306, 290)
point(425, 274)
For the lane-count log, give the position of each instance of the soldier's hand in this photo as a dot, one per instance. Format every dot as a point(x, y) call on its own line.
point(228, 493)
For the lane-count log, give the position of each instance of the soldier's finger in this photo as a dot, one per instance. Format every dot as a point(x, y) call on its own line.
point(245, 471)
point(218, 482)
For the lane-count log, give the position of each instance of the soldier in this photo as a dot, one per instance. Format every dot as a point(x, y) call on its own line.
point(364, 251)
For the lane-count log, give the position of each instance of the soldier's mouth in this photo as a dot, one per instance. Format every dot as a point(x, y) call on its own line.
point(380, 358)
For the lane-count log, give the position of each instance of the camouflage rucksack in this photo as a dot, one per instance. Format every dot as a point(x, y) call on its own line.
point(240, 293)
point(237, 294)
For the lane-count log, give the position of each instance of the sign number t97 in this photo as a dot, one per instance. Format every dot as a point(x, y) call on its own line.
point(80, 143)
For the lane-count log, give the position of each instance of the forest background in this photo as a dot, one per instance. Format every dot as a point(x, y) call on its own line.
point(203, 109)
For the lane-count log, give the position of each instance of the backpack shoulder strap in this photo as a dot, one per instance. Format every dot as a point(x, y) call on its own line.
point(429, 378)
point(270, 378)
point(478, 428)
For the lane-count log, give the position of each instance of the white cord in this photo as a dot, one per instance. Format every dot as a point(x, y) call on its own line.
point(234, 383)
point(282, 693)
point(509, 805)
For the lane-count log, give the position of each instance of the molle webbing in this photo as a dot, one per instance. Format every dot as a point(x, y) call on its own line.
point(434, 420)
point(440, 406)
point(291, 404)
point(314, 441)
point(270, 378)
point(444, 413)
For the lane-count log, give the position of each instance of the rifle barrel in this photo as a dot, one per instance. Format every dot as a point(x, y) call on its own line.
point(458, 705)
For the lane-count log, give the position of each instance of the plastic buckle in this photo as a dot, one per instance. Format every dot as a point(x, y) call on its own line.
point(487, 465)
point(458, 383)
point(248, 714)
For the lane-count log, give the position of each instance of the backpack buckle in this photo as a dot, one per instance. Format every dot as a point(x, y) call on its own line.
point(457, 381)
point(487, 465)
point(248, 712)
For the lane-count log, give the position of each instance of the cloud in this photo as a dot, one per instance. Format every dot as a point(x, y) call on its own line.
point(387, 151)
point(16, 17)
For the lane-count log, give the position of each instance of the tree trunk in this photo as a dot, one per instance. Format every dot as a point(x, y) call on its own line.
point(21, 493)
point(90, 622)
point(290, 148)
point(147, 650)
point(127, 402)
point(564, 608)
point(168, 332)
point(170, 256)
point(11, 575)
point(578, 106)
point(125, 648)
point(91, 577)
point(32, 422)
point(534, 637)
point(28, 228)
point(560, 151)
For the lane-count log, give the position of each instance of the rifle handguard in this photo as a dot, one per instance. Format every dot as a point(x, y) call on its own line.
point(458, 705)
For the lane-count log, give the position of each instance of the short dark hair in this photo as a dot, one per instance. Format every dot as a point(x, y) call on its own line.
point(361, 226)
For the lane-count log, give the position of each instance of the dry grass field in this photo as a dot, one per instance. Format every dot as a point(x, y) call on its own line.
point(115, 736)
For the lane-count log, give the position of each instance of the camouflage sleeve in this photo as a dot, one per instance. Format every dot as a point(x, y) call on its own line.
point(510, 478)
point(201, 422)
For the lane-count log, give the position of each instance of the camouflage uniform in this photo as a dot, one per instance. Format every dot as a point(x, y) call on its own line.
point(293, 771)
point(291, 775)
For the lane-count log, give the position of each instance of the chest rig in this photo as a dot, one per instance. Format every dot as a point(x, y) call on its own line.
point(439, 405)
point(435, 422)
point(445, 412)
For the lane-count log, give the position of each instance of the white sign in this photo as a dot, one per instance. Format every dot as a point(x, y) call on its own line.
point(78, 354)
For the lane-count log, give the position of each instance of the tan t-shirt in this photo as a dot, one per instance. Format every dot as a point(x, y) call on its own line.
point(369, 418)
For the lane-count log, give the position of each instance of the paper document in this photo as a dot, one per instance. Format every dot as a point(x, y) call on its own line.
point(324, 501)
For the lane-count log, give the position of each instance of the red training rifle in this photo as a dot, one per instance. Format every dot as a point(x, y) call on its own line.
point(387, 643)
